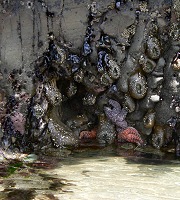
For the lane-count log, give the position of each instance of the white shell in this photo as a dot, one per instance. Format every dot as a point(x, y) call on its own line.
point(155, 98)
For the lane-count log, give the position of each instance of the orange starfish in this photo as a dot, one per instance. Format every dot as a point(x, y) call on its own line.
point(88, 134)
point(130, 134)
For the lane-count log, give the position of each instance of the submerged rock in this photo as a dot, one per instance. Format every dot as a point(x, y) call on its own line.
point(61, 135)
point(106, 133)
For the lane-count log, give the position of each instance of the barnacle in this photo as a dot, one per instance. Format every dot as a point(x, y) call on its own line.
point(149, 119)
point(153, 48)
point(72, 89)
point(147, 64)
point(174, 31)
point(52, 93)
point(79, 76)
point(127, 33)
point(114, 69)
point(61, 55)
point(106, 79)
point(38, 111)
point(89, 99)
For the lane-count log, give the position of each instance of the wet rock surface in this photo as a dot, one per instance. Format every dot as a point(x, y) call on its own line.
point(63, 59)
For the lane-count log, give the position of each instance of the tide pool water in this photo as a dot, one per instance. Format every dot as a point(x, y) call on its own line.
point(90, 174)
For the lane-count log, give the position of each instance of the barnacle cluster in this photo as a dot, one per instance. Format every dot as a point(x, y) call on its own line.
point(2, 104)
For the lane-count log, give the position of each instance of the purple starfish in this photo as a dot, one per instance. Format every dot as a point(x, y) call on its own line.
point(117, 115)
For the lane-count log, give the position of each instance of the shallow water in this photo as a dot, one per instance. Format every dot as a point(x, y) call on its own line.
point(99, 173)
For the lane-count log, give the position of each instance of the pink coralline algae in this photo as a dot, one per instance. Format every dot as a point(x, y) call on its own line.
point(130, 134)
point(18, 121)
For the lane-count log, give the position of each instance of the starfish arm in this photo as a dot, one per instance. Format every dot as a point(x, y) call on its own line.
point(121, 124)
point(115, 104)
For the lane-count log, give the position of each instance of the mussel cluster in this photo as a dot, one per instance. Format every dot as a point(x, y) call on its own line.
point(85, 91)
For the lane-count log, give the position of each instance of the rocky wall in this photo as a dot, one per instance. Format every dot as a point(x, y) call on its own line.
point(73, 70)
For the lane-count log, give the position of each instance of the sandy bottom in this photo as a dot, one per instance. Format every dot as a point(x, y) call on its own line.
point(116, 178)
point(97, 175)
